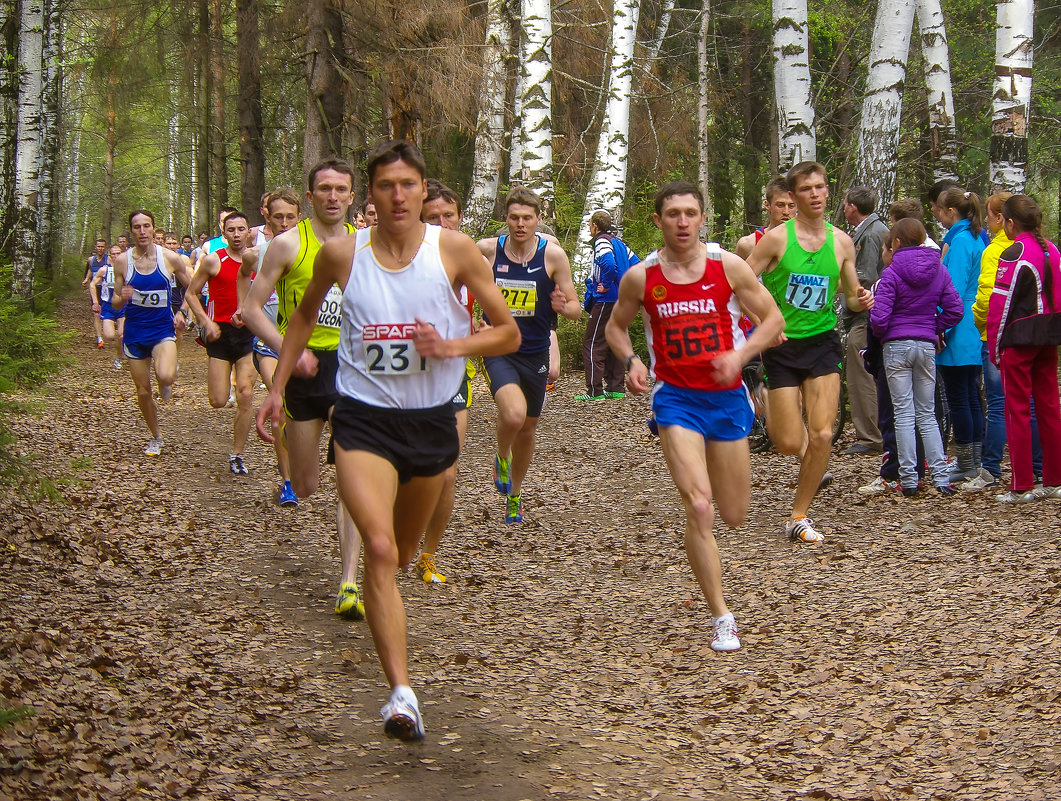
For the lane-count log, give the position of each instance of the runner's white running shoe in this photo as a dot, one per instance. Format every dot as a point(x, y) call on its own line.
point(401, 715)
point(725, 638)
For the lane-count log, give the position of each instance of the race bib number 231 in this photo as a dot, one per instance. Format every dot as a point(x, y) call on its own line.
point(389, 350)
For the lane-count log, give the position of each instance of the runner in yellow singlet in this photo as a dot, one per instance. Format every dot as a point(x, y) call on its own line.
point(310, 394)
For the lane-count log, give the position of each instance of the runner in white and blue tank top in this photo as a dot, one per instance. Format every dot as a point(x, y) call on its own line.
point(142, 288)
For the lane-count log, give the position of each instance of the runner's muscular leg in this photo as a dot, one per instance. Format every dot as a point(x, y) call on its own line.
point(511, 415)
point(245, 375)
point(303, 440)
point(686, 458)
point(821, 397)
point(164, 356)
point(436, 526)
point(140, 370)
point(784, 423)
point(217, 382)
point(368, 486)
point(522, 452)
point(729, 470)
point(267, 366)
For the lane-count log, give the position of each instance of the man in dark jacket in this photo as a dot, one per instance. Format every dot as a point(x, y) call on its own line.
point(867, 232)
point(605, 375)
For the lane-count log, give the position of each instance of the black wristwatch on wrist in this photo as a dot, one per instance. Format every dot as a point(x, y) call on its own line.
point(630, 360)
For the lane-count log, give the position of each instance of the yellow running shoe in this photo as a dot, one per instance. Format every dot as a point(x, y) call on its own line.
point(425, 566)
point(348, 604)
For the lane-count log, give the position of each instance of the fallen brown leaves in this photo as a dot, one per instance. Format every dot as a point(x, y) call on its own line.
point(172, 629)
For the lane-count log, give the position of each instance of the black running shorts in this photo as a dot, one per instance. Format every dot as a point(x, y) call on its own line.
point(795, 360)
point(418, 442)
point(312, 398)
point(233, 344)
point(529, 370)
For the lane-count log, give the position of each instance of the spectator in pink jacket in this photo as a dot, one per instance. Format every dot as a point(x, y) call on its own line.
point(1023, 332)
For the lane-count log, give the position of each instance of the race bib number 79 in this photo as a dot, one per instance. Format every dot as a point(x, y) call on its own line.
point(808, 292)
point(389, 350)
point(154, 299)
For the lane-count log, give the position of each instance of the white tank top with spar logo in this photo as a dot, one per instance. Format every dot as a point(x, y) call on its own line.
point(378, 362)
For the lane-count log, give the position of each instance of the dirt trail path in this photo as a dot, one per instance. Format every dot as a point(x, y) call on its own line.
point(173, 630)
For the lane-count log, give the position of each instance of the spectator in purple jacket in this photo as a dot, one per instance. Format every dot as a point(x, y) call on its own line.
point(916, 303)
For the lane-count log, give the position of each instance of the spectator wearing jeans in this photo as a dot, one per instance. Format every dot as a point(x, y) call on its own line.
point(867, 233)
point(916, 302)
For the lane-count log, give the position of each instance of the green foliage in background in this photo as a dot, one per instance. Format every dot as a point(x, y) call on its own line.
point(32, 347)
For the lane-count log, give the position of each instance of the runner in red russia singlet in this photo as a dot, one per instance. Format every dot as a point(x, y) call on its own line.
point(690, 324)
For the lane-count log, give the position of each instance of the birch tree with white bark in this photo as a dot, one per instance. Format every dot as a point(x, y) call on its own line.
point(936, 53)
point(26, 242)
point(536, 103)
point(792, 85)
point(607, 185)
point(878, 133)
point(704, 116)
point(490, 125)
point(1012, 95)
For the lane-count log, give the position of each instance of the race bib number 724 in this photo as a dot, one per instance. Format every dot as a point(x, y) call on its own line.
point(808, 292)
point(389, 350)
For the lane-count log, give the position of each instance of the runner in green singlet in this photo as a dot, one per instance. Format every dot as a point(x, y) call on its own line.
point(802, 263)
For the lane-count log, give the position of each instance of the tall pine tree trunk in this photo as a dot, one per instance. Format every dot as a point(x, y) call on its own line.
point(207, 220)
point(325, 112)
point(27, 244)
point(537, 101)
point(607, 186)
point(943, 134)
point(251, 146)
point(792, 84)
point(878, 132)
point(490, 125)
point(704, 117)
point(1012, 96)
point(218, 149)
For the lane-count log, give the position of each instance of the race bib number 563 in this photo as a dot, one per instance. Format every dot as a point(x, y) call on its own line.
point(389, 350)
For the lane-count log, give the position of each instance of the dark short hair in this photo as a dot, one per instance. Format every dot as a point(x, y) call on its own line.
point(436, 189)
point(136, 213)
point(863, 198)
point(775, 187)
point(338, 165)
point(395, 150)
point(802, 169)
point(104, 241)
point(603, 221)
point(909, 207)
point(524, 196)
point(677, 188)
point(234, 214)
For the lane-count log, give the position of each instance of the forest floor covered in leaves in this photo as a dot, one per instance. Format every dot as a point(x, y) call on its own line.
point(172, 628)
